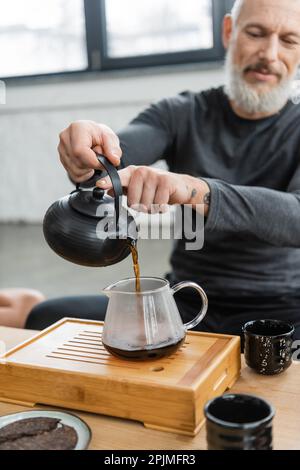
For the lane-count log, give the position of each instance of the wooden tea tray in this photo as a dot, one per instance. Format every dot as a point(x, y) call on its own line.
point(66, 365)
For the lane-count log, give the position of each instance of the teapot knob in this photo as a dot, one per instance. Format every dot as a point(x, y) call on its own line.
point(98, 193)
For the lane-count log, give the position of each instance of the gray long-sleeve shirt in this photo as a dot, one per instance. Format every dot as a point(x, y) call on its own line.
point(252, 232)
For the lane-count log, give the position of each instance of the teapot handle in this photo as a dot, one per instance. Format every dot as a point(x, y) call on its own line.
point(115, 180)
point(202, 313)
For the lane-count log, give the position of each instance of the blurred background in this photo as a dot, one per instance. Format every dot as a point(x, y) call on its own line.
point(104, 60)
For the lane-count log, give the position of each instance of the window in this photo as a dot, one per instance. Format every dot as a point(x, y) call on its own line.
point(139, 32)
point(168, 26)
point(41, 37)
point(60, 36)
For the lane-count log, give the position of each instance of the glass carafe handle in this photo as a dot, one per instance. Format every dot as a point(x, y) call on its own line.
point(202, 313)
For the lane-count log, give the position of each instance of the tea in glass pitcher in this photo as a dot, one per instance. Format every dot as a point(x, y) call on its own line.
point(145, 324)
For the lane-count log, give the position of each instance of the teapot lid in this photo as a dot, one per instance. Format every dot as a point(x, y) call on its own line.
point(88, 202)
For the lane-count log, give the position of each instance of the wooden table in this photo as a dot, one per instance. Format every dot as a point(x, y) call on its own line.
point(283, 391)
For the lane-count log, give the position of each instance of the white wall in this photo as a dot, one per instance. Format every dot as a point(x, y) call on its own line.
point(31, 175)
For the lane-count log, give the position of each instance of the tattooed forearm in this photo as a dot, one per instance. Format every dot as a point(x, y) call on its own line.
point(194, 193)
point(198, 192)
point(206, 199)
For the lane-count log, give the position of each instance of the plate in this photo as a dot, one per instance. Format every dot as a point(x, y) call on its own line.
point(83, 430)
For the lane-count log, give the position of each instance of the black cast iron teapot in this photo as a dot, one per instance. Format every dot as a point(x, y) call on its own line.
point(90, 228)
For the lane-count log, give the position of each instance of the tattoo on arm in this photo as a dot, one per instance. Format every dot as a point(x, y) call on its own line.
point(206, 199)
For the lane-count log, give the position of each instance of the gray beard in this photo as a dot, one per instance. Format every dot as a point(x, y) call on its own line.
point(247, 98)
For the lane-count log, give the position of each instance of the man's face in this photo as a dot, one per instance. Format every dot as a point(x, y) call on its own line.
point(265, 42)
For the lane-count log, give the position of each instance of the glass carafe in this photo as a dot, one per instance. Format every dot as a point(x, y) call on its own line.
point(146, 325)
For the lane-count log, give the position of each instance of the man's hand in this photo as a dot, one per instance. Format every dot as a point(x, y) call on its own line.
point(78, 144)
point(151, 190)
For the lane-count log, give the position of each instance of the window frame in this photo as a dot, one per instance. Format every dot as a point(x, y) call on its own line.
point(99, 61)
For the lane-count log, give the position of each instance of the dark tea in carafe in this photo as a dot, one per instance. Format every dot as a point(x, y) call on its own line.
point(124, 351)
point(145, 354)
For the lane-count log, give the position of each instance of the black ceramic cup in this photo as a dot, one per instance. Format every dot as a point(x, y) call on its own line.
point(239, 422)
point(268, 345)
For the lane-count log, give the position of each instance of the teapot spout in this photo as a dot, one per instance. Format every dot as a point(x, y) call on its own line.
point(106, 291)
point(132, 242)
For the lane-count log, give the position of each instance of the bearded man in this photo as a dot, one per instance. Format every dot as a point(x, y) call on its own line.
point(233, 153)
